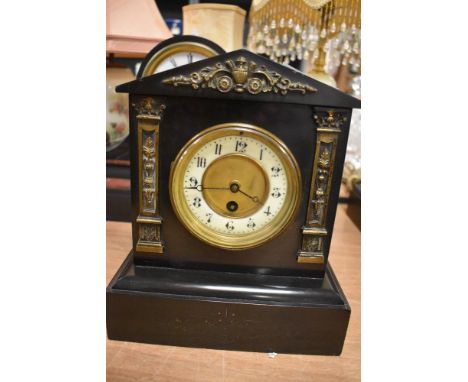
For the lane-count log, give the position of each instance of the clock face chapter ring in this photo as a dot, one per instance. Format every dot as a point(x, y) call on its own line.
point(235, 186)
point(177, 51)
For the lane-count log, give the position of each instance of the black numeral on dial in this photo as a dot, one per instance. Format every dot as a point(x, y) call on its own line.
point(218, 148)
point(267, 211)
point(241, 146)
point(275, 170)
point(276, 192)
point(251, 224)
point(196, 202)
point(201, 162)
point(209, 216)
point(193, 182)
point(230, 225)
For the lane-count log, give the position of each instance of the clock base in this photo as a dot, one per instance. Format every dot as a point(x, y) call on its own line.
point(231, 311)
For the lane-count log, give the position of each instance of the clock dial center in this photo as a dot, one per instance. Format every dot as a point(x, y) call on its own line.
point(235, 185)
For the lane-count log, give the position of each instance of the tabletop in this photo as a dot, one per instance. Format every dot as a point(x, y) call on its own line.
point(127, 361)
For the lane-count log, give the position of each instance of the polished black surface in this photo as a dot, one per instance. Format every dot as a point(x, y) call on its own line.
point(294, 125)
point(225, 310)
point(229, 285)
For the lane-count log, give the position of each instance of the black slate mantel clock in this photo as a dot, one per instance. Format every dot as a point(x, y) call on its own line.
point(236, 164)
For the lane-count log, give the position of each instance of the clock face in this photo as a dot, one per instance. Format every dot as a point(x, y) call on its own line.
point(235, 186)
point(177, 54)
point(178, 59)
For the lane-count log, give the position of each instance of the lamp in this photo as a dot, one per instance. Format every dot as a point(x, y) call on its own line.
point(134, 27)
point(286, 30)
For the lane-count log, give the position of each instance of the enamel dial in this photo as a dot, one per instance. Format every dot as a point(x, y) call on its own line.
point(177, 51)
point(178, 59)
point(235, 186)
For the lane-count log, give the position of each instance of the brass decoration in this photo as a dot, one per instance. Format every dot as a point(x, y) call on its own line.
point(148, 118)
point(149, 233)
point(239, 76)
point(146, 107)
point(149, 181)
point(314, 231)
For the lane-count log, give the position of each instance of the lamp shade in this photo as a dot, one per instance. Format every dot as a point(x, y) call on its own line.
point(220, 23)
point(134, 27)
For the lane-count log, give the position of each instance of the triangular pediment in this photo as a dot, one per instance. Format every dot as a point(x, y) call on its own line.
point(243, 75)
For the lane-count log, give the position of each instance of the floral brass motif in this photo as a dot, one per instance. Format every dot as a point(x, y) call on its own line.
point(149, 115)
point(314, 231)
point(149, 181)
point(312, 243)
point(149, 232)
point(146, 107)
point(239, 76)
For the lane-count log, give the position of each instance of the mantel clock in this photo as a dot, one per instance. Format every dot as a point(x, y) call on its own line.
point(236, 165)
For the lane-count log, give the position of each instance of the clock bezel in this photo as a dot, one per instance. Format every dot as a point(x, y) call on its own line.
point(243, 241)
point(177, 44)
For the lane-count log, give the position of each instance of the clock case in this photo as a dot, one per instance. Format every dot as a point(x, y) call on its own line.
point(173, 288)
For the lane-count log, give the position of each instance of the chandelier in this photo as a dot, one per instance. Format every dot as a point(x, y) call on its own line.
point(289, 30)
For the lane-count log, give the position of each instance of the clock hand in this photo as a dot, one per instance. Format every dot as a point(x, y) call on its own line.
point(254, 198)
point(201, 188)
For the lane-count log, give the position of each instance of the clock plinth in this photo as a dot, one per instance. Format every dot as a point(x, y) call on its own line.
point(230, 311)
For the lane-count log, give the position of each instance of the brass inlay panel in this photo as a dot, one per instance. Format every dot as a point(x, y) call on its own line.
point(149, 221)
point(314, 232)
point(239, 76)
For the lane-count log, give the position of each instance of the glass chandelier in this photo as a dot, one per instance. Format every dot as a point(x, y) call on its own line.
point(286, 30)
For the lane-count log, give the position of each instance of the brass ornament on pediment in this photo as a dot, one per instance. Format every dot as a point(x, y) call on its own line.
point(239, 76)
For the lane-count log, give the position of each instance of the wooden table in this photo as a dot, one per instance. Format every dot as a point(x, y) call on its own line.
point(128, 361)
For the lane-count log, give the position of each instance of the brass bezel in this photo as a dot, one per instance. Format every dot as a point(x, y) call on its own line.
point(178, 47)
point(242, 241)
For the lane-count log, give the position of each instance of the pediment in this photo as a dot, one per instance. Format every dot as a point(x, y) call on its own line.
point(243, 75)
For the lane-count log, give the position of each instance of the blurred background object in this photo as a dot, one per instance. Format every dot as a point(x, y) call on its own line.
point(177, 51)
point(117, 122)
point(352, 166)
point(220, 23)
point(134, 27)
point(324, 33)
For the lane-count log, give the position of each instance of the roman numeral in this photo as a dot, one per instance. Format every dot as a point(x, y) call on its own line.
point(201, 162)
point(218, 149)
point(261, 154)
